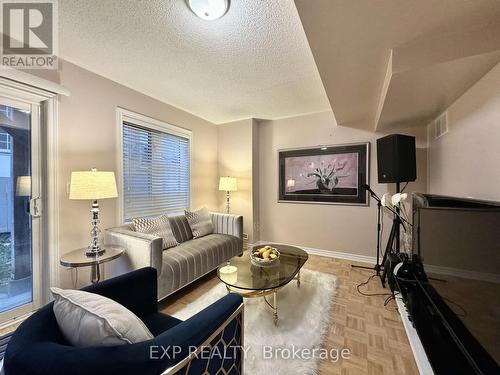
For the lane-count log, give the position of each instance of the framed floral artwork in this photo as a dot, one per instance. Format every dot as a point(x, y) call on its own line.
point(325, 174)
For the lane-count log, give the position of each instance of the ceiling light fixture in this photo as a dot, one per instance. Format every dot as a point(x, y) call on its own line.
point(209, 9)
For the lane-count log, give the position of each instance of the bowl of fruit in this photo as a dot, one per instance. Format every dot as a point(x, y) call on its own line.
point(264, 256)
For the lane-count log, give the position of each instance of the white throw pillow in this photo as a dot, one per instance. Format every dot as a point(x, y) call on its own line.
point(88, 319)
point(200, 222)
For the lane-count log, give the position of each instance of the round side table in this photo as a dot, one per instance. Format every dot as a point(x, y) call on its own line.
point(77, 258)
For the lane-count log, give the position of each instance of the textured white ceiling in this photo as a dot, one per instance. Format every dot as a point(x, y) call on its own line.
point(253, 62)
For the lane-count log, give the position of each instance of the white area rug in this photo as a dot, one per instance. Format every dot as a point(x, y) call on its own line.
point(304, 318)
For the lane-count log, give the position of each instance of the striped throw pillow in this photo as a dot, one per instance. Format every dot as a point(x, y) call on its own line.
point(158, 226)
point(200, 222)
point(181, 228)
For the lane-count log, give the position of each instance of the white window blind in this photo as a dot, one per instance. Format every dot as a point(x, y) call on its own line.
point(156, 172)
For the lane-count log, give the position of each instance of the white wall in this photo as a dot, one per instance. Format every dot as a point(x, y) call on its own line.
point(350, 229)
point(465, 162)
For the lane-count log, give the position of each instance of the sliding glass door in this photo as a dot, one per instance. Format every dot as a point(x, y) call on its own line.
point(19, 207)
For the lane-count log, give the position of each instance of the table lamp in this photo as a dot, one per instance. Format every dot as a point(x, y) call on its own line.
point(23, 189)
point(228, 184)
point(23, 186)
point(93, 185)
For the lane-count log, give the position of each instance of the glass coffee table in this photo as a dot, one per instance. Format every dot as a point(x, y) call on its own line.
point(250, 281)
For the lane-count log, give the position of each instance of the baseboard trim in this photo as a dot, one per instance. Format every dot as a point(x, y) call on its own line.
point(328, 253)
point(465, 274)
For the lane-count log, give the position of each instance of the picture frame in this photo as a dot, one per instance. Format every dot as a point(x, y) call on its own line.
point(333, 174)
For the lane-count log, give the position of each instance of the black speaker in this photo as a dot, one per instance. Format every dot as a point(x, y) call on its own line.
point(396, 160)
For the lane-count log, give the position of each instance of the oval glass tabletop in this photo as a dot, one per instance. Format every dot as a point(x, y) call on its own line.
point(77, 258)
point(250, 277)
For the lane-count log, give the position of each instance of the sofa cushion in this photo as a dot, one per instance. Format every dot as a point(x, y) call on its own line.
point(181, 229)
point(190, 260)
point(158, 226)
point(88, 319)
point(200, 222)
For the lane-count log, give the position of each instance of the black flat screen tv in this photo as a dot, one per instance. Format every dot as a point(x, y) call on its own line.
point(458, 241)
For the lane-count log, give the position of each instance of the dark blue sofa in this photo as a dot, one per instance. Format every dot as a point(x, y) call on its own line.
point(38, 347)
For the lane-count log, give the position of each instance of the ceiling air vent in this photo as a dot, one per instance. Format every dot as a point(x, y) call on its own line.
point(441, 125)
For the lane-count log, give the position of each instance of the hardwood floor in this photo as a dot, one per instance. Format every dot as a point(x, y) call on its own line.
point(372, 332)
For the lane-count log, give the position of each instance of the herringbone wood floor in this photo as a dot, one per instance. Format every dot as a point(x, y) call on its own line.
point(374, 334)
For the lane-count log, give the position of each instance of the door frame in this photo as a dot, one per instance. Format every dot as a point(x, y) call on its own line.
point(36, 190)
point(45, 103)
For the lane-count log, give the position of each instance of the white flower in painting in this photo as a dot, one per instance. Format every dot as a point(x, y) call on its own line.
point(398, 198)
point(386, 200)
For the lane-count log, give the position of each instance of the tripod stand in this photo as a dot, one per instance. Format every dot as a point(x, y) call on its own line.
point(378, 266)
point(393, 236)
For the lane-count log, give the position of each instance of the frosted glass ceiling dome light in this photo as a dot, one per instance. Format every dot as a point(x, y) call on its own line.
point(209, 9)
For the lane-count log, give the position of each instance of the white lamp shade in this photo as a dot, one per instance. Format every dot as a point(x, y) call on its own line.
point(92, 185)
point(23, 186)
point(228, 184)
point(290, 183)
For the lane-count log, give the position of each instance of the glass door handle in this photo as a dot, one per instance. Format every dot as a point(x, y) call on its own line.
point(35, 207)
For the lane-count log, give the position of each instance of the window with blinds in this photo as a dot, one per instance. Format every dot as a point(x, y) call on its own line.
point(156, 171)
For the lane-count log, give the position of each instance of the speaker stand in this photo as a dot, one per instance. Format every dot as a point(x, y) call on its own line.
point(398, 211)
point(378, 266)
point(393, 236)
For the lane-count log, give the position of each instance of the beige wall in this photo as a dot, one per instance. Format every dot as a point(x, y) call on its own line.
point(88, 138)
point(466, 161)
point(245, 149)
point(237, 158)
point(350, 229)
point(255, 181)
